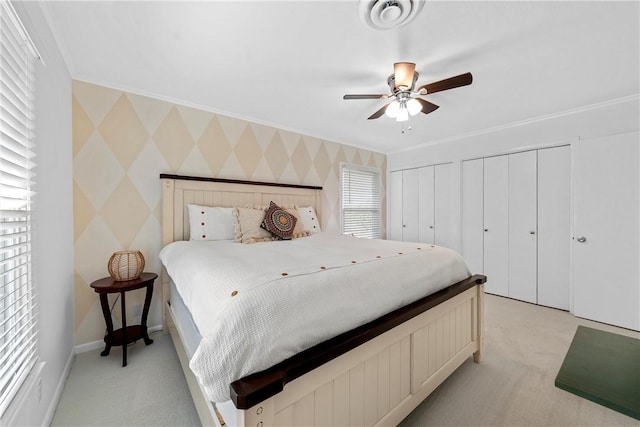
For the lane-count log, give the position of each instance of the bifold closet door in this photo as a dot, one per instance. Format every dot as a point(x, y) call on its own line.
point(554, 226)
point(523, 226)
point(410, 205)
point(426, 197)
point(472, 215)
point(606, 230)
point(395, 206)
point(496, 220)
point(443, 206)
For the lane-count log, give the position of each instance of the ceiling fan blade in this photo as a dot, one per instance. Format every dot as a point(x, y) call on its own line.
point(378, 113)
point(365, 96)
point(446, 84)
point(427, 107)
point(403, 74)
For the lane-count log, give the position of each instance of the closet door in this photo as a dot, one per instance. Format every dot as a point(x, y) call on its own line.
point(554, 226)
point(472, 216)
point(395, 206)
point(426, 199)
point(606, 230)
point(443, 212)
point(496, 220)
point(523, 209)
point(410, 205)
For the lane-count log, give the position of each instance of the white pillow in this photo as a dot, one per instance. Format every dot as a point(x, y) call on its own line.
point(247, 226)
point(211, 223)
point(309, 219)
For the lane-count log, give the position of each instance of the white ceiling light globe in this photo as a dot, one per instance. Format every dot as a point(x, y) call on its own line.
point(392, 109)
point(414, 106)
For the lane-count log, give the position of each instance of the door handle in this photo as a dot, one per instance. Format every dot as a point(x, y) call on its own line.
point(581, 239)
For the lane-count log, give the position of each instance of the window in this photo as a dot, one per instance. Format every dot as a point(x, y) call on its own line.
point(18, 332)
point(361, 200)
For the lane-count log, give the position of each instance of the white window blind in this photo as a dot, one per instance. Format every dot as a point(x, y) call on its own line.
point(18, 332)
point(361, 201)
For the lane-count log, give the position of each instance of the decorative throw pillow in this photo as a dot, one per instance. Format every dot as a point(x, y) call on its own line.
point(279, 222)
point(247, 226)
point(210, 223)
point(309, 219)
point(298, 230)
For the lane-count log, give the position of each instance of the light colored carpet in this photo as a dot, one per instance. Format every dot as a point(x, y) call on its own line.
point(513, 386)
point(149, 391)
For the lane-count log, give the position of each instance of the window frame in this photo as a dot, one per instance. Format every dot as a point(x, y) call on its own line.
point(376, 231)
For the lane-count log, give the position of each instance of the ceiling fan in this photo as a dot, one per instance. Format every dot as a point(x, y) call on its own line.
point(402, 85)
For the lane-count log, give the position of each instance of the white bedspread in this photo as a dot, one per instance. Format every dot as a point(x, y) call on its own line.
point(256, 305)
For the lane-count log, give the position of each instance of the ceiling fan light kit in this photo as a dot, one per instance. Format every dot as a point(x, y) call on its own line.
point(402, 84)
point(388, 14)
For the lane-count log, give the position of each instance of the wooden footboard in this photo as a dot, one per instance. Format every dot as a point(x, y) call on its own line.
point(381, 381)
point(377, 382)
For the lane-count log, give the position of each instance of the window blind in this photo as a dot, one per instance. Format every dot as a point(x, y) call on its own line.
point(18, 332)
point(361, 201)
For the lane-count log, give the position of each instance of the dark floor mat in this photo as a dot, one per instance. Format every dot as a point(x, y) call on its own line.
point(604, 368)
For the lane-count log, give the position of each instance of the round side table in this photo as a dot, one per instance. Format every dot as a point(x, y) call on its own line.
point(126, 334)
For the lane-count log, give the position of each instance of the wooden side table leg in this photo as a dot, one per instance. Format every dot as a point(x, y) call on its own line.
point(145, 314)
point(108, 339)
point(124, 329)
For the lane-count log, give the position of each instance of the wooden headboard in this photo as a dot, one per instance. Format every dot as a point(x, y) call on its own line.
point(180, 191)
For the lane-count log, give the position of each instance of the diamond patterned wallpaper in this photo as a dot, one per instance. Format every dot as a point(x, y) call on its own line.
point(122, 142)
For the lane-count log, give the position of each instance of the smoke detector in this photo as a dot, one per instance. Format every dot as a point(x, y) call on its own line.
point(388, 14)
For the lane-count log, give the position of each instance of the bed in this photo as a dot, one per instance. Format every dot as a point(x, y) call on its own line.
point(373, 374)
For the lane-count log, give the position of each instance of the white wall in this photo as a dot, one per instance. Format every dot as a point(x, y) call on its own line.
point(53, 224)
point(608, 118)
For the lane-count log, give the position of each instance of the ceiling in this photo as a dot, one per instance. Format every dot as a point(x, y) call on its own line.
point(288, 63)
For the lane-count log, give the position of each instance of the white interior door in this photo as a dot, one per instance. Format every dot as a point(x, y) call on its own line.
point(522, 208)
point(394, 231)
point(444, 225)
point(496, 224)
point(554, 226)
point(472, 215)
point(410, 205)
point(606, 230)
point(426, 204)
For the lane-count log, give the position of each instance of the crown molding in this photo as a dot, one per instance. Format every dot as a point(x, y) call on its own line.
point(520, 123)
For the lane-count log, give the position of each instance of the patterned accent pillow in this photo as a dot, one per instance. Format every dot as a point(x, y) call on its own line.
point(279, 222)
point(298, 230)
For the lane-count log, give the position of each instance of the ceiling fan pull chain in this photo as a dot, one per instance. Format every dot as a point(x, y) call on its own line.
point(402, 128)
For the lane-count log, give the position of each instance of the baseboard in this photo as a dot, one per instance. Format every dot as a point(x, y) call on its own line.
point(95, 345)
point(55, 399)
